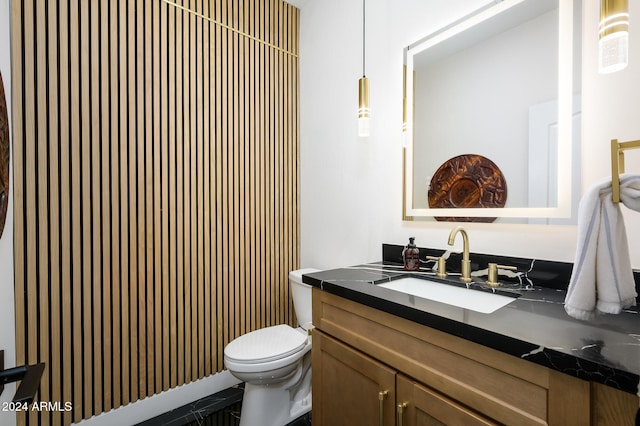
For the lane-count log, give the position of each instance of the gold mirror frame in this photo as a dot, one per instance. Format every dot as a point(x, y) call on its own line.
point(565, 100)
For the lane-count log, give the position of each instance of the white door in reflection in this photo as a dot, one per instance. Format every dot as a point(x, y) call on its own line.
point(543, 167)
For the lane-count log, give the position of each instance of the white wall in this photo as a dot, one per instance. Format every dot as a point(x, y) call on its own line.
point(7, 317)
point(611, 112)
point(351, 189)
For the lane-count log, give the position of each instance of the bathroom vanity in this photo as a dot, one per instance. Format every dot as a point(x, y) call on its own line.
point(385, 357)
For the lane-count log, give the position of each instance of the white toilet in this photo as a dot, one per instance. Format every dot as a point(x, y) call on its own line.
point(275, 363)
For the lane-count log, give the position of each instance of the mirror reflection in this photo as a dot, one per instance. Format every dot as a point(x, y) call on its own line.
point(496, 107)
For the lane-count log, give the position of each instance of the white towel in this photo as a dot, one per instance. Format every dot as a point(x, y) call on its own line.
point(602, 279)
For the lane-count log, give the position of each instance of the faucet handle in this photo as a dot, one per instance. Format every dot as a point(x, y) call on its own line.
point(492, 279)
point(442, 266)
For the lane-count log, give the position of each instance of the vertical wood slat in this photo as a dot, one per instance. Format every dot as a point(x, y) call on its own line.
point(65, 210)
point(30, 218)
point(42, 195)
point(192, 196)
point(223, 252)
point(172, 195)
point(206, 299)
point(55, 367)
point(104, 364)
point(96, 340)
point(162, 97)
point(156, 319)
point(218, 253)
point(139, 358)
point(251, 152)
point(114, 168)
point(122, 202)
point(74, 195)
point(84, 194)
point(132, 182)
point(261, 170)
point(155, 157)
point(198, 296)
point(179, 222)
point(184, 219)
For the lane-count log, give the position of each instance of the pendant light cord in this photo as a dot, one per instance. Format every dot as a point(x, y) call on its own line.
point(363, 37)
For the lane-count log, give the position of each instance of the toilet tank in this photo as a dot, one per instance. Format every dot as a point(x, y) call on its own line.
point(301, 296)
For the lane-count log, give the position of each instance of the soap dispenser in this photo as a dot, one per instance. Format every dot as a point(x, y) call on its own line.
point(411, 256)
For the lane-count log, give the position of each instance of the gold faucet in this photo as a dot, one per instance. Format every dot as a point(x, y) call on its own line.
point(466, 263)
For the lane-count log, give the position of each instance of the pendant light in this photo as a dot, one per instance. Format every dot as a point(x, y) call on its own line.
point(363, 89)
point(613, 34)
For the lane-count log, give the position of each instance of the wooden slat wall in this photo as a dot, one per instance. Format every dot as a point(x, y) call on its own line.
point(156, 190)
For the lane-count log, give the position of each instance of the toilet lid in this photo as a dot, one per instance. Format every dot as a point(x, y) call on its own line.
point(266, 344)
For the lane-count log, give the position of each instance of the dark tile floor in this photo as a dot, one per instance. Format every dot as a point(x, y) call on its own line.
point(220, 409)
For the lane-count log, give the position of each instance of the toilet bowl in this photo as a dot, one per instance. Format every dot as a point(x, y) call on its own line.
point(275, 364)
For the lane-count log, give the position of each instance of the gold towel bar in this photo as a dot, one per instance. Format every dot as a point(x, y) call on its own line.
point(617, 164)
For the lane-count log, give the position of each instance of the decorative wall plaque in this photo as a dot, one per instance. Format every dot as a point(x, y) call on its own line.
point(467, 181)
point(4, 158)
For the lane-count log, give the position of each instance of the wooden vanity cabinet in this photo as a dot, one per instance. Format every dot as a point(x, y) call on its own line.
point(367, 364)
point(350, 388)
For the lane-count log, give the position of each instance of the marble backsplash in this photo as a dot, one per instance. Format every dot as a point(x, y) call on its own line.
point(544, 273)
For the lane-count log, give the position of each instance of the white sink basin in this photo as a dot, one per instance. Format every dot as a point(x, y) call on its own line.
point(475, 300)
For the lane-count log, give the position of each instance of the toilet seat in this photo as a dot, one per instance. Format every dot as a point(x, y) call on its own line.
point(265, 345)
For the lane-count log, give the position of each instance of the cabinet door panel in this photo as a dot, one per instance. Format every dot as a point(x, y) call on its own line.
point(425, 407)
point(347, 386)
point(613, 407)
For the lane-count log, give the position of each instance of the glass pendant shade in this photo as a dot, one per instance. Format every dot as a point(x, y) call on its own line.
point(363, 107)
point(613, 34)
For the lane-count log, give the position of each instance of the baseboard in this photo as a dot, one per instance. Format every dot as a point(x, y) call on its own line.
point(155, 405)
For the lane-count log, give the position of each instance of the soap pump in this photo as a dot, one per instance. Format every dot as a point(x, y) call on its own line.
point(411, 256)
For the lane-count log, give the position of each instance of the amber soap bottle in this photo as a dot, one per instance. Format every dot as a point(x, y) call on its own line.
point(411, 256)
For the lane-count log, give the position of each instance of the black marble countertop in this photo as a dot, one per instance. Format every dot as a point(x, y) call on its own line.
point(534, 327)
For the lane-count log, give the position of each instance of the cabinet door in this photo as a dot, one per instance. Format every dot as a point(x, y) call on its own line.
point(349, 388)
point(418, 405)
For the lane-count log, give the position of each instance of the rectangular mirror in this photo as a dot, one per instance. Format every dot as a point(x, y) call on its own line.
point(492, 107)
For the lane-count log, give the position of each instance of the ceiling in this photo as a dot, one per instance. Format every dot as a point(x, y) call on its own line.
point(298, 3)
